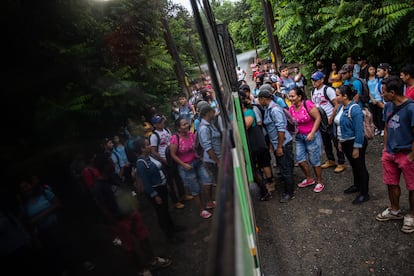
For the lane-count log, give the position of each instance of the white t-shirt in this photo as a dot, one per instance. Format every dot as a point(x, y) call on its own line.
point(318, 98)
point(163, 143)
point(240, 75)
point(337, 120)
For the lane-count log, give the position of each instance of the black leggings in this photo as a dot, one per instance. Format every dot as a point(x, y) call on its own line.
point(359, 169)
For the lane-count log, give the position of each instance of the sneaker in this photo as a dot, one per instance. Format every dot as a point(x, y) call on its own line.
point(387, 215)
point(266, 197)
point(318, 188)
point(382, 133)
point(328, 164)
point(286, 198)
point(145, 272)
point(187, 197)
point(408, 226)
point(211, 205)
point(179, 205)
point(377, 132)
point(306, 183)
point(205, 214)
point(339, 168)
point(117, 242)
point(159, 262)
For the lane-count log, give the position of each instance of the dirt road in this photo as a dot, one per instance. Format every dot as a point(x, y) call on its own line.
point(324, 233)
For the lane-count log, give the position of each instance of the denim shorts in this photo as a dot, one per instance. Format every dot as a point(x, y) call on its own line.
point(311, 148)
point(196, 176)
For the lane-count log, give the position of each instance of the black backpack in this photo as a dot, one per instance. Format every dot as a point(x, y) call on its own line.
point(171, 162)
point(304, 80)
point(364, 97)
point(324, 125)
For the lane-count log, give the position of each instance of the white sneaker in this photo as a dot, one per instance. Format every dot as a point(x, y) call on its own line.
point(117, 242)
point(382, 133)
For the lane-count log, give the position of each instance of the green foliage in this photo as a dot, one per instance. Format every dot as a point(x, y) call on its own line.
point(318, 29)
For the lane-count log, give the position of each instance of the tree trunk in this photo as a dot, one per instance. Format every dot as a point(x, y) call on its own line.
point(270, 27)
point(178, 66)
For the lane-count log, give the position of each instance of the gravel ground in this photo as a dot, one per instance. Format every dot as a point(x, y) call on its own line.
point(324, 234)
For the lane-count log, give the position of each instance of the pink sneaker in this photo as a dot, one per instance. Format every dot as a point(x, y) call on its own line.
point(306, 183)
point(318, 188)
point(205, 214)
point(211, 205)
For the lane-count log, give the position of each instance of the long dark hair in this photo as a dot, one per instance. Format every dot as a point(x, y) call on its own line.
point(347, 90)
point(300, 92)
point(177, 122)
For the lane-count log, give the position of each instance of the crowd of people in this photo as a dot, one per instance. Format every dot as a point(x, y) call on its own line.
point(339, 92)
point(165, 165)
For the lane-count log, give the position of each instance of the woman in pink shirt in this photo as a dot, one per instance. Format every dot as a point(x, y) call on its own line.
point(190, 167)
point(308, 138)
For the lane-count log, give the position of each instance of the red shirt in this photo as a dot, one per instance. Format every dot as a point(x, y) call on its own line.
point(409, 92)
point(89, 175)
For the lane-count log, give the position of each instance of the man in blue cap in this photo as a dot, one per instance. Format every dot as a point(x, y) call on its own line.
point(325, 97)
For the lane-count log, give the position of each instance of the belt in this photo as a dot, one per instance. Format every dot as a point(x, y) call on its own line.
point(406, 151)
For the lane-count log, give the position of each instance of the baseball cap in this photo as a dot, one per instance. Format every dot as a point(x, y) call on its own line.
point(274, 78)
point(266, 87)
point(156, 119)
point(318, 75)
point(267, 80)
point(205, 109)
point(244, 87)
point(384, 66)
point(200, 105)
point(346, 68)
point(265, 91)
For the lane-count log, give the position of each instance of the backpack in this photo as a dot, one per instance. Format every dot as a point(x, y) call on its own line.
point(171, 162)
point(262, 111)
point(130, 152)
point(292, 125)
point(198, 149)
point(369, 127)
point(324, 125)
point(304, 80)
point(364, 97)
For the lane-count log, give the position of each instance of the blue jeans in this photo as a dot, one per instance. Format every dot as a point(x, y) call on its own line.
point(196, 176)
point(305, 148)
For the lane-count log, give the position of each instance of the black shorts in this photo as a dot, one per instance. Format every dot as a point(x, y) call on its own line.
point(261, 159)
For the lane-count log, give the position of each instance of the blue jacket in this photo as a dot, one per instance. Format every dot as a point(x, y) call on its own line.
point(352, 128)
point(150, 175)
point(210, 138)
point(275, 122)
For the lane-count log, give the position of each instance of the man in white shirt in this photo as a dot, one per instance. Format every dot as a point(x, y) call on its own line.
point(241, 75)
point(325, 97)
